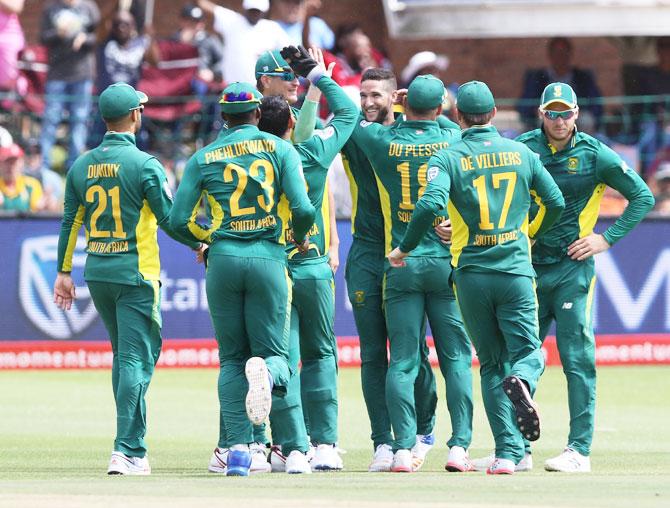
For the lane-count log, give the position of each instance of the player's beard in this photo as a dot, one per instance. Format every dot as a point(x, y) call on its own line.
point(380, 117)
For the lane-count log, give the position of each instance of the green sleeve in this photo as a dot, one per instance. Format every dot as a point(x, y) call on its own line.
point(187, 198)
point(304, 125)
point(366, 134)
point(327, 142)
point(293, 186)
point(614, 172)
point(73, 218)
point(547, 196)
point(158, 195)
point(434, 200)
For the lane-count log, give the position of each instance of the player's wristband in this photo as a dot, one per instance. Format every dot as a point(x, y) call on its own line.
point(315, 75)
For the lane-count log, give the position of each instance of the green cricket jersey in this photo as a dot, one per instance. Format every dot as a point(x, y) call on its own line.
point(366, 212)
point(120, 194)
point(244, 172)
point(582, 170)
point(399, 156)
point(317, 154)
point(24, 196)
point(488, 181)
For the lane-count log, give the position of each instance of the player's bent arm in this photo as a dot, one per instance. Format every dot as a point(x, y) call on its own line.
point(614, 172)
point(293, 185)
point(328, 142)
point(434, 200)
point(186, 199)
point(366, 134)
point(73, 218)
point(548, 197)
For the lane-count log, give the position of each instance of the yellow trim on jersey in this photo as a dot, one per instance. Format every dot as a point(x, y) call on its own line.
point(72, 238)
point(146, 233)
point(539, 218)
point(460, 234)
point(217, 215)
point(205, 234)
point(325, 215)
point(353, 189)
point(589, 215)
point(385, 201)
point(284, 213)
point(23, 183)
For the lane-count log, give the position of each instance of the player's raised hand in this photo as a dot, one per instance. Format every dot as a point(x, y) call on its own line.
point(443, 230)
point(399, 96)
point(316, 53)
point(64, 291)
point(397, 258)
point(299, 59)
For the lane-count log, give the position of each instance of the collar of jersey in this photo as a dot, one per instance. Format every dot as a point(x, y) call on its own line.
point(418, 123)
point(240, 127)
point(19, 187)
point(118, 137)
point(479, 130)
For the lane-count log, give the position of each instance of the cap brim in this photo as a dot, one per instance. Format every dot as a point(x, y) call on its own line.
point(142, 96)
point(558, 101)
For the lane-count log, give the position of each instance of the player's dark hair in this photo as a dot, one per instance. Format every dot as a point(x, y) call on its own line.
point(379, 74)
point(239, 118)
point(275, 114)
point(475, 119)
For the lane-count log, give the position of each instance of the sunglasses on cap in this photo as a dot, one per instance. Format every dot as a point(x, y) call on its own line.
point(555, 115)
point(281, 72)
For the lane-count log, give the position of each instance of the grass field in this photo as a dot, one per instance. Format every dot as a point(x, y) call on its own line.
point(56, 431)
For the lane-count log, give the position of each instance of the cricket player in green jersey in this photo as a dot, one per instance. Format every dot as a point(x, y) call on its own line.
point(487, 181)
point(246, 171)
point(399, 157)
point(364, 275)
point(120, 194)
point(313, 303)
point(563, 258)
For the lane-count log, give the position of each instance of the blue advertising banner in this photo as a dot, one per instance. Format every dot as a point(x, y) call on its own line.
point(632, 291)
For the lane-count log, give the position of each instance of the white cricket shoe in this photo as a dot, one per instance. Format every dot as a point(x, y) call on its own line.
point(570, 461)
point(277, 459)
point(327, 458)
point(297, 463)
point(424, 443)
point(501, 466)
point(218, 461)
point(525, 464)
point(402, 462)
point(259, 396)
point(120, 463)
point(458, 460)
point(259, 461)
point(382, 459)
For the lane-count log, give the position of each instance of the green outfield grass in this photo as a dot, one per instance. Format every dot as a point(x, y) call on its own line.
point(56, 431)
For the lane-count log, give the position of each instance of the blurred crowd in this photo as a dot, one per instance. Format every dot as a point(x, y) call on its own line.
point(82, 50)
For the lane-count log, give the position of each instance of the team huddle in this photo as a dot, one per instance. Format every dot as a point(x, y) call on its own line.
point(487, 240)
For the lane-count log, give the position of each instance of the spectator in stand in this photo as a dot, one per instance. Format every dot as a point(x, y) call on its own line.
point(210, 48)
point(654, 127)
point(291, 16)
point(582, 81)
point(68, 30)
point(246, 37)
point(662, 189)
point(354, 54)
point(120, 58)
point(422, 63)
point(53, 183)
point(11, 42)
point(18, 192)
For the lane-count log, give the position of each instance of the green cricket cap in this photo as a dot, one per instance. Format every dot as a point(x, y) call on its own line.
point(474, 98)
point(425, 92)
point(240, 97)
point(119, 99)
point(271, 63)
point(558, 92)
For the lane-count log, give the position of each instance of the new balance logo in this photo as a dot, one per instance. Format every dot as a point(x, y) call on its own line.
point(567, 305)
